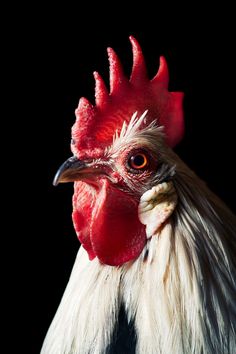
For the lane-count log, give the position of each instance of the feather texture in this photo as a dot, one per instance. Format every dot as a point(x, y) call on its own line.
point(180, 292)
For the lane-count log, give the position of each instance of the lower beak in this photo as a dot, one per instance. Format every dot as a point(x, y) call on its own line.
point(70, 171)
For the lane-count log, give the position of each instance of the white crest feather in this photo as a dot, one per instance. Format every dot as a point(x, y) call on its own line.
point(129, 132)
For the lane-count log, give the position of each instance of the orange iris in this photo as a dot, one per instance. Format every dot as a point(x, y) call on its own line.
point(138, 161)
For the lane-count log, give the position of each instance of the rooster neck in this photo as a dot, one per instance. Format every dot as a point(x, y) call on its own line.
point(179, 293)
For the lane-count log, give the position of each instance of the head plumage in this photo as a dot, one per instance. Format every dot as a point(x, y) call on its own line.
point(96, 124)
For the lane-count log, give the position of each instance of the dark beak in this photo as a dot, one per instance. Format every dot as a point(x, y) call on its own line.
point(70, 171)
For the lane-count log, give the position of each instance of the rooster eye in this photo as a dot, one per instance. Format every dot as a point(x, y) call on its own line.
point(138, 161)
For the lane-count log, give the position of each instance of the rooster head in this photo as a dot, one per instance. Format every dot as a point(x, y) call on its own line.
point(117, 157)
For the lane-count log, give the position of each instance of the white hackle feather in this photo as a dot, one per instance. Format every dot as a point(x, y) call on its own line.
point(128, 132)
point(180, 291)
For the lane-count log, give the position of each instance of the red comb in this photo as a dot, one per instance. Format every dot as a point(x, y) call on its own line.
point(95, 125)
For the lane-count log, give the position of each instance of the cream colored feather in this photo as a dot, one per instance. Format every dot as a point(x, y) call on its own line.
point(180, 292)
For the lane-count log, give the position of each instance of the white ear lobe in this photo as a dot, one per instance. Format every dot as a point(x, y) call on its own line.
point(156, 205)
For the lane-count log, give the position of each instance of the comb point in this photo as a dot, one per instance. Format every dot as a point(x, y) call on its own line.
point(101, 92)
point(162, 76)
point(84, 109)
point(117, 77)
point(139, 71)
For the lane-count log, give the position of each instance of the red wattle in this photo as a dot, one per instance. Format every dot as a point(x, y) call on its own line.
point(117, 236)
point(107, 224)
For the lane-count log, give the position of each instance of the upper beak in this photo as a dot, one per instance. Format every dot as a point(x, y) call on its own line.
point(72, 169)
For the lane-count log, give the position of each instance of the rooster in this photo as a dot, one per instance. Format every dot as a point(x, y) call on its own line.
point(155, 272)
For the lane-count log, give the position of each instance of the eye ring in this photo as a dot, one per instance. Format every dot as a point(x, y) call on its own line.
point(138, 161)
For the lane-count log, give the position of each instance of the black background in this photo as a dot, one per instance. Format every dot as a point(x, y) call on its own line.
point(54, 55)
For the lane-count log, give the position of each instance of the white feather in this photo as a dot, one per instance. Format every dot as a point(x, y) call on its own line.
point(166, 295)
point(129, 132)
point(180, 292)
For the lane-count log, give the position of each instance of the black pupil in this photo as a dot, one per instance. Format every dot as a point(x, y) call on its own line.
point(137, 160)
